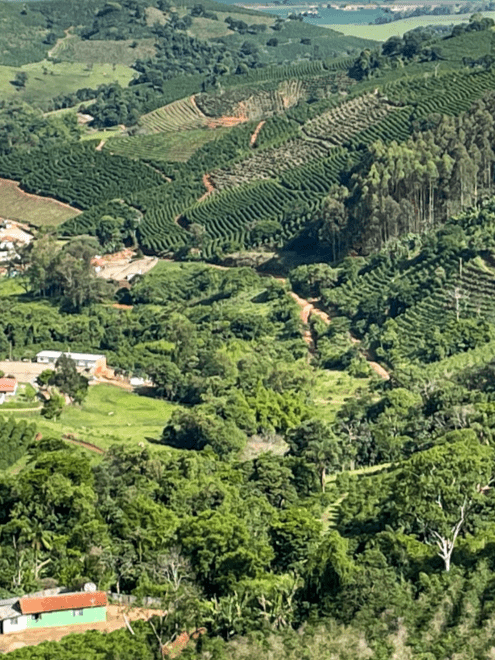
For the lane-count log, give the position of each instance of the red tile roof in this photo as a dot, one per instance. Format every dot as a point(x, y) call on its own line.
point(7, 384)
point(36, 605)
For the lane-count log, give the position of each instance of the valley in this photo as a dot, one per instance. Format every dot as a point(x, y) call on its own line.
point(247, 342)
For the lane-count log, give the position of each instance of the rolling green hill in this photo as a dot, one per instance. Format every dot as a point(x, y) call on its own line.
point(245, 132)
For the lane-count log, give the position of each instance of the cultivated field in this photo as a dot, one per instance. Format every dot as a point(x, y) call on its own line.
point(176, 146)
point(39, 211)
point(180, 115)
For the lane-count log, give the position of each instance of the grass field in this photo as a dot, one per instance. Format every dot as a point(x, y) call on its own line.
point(102, 135)
point(383, 32)
point(332, 389)
point(206, 28)
point(74, 49)
point(38, 211)
point(111, 415)
point(11, 286)
point(47, 80)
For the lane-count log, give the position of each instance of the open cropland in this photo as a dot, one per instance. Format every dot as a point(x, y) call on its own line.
point(387, 30)
point(175, 146)
point(46, 80)
point(110, 415)
point(15, 204)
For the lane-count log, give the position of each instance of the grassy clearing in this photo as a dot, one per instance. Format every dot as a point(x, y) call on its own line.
point(102, 135)
point(110, 52)
point(383, 32)
point(47, 80)
point(206, 28)
point(332, 389)
point(38, 211)
point(111, 415)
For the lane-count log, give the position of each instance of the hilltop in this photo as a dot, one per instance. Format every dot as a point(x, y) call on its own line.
point(236, 149)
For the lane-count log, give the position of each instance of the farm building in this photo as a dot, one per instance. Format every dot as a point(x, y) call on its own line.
point(8, 387)
point(12, 236)
point(51, 608)
point(94, 363)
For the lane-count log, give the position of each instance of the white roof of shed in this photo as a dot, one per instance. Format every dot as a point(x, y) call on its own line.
point(87, 357)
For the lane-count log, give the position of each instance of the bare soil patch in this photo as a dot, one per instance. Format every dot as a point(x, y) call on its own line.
point(257, 130)
point(210, 188)
point(121, 266)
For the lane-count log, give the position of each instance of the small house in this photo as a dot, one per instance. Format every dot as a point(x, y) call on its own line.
point(8, 387)
point(88, 361)
point(40, 610)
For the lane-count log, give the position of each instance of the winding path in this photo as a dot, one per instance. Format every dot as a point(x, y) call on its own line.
point(310, 307)
point(254, 136)
point(210, 188)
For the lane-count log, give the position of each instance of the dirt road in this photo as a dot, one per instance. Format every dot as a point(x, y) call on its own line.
point(310, 307)
point(257, 130)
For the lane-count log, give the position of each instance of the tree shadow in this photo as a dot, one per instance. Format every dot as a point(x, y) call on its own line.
point(155, 441)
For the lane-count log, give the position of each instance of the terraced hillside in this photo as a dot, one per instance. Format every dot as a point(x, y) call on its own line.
point(176, 146)
point(339, 124)
point(270, 163)
point(297, 128)
point(181, 115)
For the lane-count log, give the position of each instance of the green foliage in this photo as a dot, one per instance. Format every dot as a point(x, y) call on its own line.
point(22, 128)
point(79, 175)
point(16, 437)
point(67, 379)
point(53, 406)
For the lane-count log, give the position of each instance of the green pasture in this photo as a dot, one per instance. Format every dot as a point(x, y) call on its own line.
point(331, 389)
point(383, 32)
point(47, 79)
point(102, 135)
point(11, 286)
point(206, 28)
point(74, 49)
point(329, 43)
point(108, 416)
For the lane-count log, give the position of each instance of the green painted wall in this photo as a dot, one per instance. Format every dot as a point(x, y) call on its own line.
point(67, 618)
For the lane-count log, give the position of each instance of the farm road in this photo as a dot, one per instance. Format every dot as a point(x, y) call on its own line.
point(310, 307)
point(254, 136)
